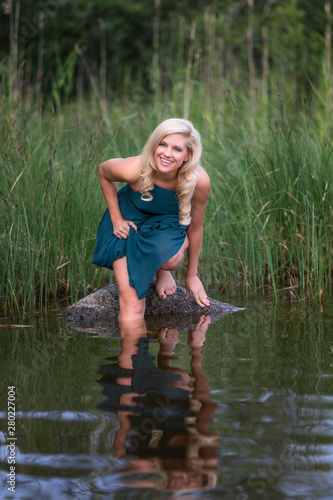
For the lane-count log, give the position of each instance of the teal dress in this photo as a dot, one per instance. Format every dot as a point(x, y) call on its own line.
point(159, 237)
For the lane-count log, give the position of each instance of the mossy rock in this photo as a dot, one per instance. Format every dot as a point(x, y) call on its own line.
point(174, 311)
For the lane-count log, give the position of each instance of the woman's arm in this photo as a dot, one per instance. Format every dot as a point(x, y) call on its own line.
point(110, 172)
point(194, 234)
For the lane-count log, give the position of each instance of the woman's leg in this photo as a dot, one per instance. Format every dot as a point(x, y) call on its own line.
point(165, 284)
point(131, 308)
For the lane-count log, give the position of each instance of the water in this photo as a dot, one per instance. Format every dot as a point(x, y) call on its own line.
point(238, 409)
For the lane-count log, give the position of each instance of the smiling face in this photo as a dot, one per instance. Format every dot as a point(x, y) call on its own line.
point(170, 154)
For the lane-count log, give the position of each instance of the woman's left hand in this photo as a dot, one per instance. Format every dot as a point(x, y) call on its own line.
point(194, 285)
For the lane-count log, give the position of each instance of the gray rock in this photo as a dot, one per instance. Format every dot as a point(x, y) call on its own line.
point(102, 307)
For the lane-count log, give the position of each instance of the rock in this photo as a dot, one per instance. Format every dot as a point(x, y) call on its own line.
point(174, 311)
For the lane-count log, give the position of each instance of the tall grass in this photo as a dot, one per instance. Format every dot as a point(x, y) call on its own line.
point(48, 205)
point(272, 205)
point(268, 223)
point(267, 148)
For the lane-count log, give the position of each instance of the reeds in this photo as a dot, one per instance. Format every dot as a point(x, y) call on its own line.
point(48, 202)
point(268, 224)
point(272, 206)
point(267, 148)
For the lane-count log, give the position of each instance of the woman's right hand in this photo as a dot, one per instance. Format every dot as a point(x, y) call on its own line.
point(121, 228)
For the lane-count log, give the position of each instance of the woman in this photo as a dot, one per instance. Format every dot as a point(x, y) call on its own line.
point(155, 217)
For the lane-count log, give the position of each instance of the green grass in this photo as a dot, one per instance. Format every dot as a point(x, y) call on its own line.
point(272, 205)
point(268, 224)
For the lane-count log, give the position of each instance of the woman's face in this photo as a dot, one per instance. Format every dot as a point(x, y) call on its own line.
point(170, 154)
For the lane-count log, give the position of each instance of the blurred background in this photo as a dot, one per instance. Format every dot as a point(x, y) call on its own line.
point(59, 51)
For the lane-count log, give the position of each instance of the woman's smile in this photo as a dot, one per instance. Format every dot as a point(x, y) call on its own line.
point(165, 161)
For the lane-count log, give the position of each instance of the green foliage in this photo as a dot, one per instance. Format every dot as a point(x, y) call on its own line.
point(272, 205)
point(42, 233)
point(267, 223)
point(118, 42)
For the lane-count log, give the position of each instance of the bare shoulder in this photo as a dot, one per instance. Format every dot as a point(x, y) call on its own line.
point(202, 188)
point(122, 169)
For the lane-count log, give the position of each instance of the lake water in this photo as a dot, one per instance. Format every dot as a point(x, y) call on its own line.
point(238, 409)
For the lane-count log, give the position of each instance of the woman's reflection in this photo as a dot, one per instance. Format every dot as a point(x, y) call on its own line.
point(163, 411)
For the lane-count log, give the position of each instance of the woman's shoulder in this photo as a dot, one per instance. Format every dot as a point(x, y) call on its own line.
point(131, 163)
point(203, 183)
point(134, 165)
point(123, 169)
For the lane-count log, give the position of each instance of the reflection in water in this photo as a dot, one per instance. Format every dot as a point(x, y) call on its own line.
point(163, 411)
point(270, 373)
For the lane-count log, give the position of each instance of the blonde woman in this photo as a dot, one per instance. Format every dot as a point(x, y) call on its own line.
point(155, 217)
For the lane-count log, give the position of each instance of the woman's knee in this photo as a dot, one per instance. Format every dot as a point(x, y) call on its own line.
point(175, 261)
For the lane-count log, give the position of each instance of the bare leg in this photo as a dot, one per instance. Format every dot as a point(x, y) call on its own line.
point(131, 332)
point(165, 284)
point(131, 308)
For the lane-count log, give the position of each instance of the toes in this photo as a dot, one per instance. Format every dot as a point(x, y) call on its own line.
point(160, 293)
point(170, 290)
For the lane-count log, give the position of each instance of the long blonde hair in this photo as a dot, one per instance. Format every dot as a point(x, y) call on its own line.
point(187, 173)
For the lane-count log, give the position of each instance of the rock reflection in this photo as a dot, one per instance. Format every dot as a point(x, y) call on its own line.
point(163, 411)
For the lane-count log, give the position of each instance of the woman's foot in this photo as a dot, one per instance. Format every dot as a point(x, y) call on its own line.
point(165, 284)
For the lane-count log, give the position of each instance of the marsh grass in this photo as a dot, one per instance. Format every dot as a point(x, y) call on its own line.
point(48, 199)
point(272, 205)
point(268, 225)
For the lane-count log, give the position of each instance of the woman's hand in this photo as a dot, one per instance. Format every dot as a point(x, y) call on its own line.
point(197, 337)
point(194, 285)
point(121, 228)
